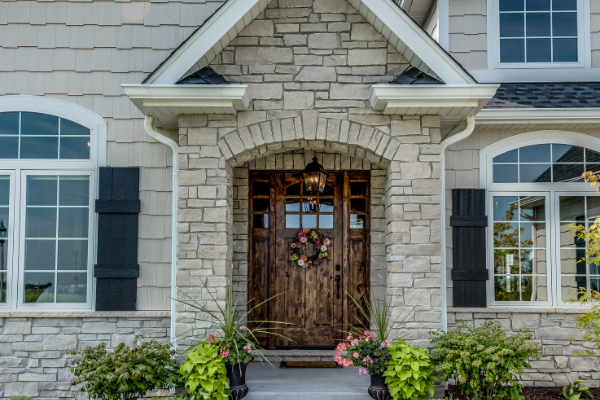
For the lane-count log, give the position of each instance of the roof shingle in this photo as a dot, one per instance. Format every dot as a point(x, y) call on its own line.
point(546, 95)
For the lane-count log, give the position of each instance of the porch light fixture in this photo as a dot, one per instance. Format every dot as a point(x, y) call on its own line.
point(3, 232)
point(314, 178)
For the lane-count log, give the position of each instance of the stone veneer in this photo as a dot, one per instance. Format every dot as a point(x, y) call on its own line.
point(309, 67)
point(32, 347)
point(553, 329)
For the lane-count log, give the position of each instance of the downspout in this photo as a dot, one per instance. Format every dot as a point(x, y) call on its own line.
point(457, 137)
point(149, 125)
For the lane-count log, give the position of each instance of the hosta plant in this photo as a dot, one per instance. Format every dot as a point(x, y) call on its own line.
point(484, 361)
point(125, 373)
point(409, 373)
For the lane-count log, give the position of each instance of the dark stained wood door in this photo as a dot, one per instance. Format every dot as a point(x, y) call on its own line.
point(310, 299)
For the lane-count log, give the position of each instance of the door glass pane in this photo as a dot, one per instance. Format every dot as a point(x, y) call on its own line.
point(292, 221)
point(294, 189)
point(357, 221)
point(261, 204)
point(326, 221)
point(309, 221)
point(56, 239)
point(326, 205)
point(292, 205)
point(358, 188)
point(261, 189)
point(260, 220)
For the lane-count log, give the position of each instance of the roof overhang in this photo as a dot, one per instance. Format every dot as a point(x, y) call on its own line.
point(404, 34)
point(451, 102)
point(536, 118)
point(166, 102)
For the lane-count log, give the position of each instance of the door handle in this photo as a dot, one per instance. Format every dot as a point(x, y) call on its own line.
point(338, 279)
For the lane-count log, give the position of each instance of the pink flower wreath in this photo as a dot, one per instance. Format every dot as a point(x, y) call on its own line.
point(321, 243)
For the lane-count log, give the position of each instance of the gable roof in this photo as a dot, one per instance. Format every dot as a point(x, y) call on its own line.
point(387, 17)
point(546, 95)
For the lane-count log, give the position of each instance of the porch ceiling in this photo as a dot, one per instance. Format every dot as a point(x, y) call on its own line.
point(166, 102)
point(451, 103)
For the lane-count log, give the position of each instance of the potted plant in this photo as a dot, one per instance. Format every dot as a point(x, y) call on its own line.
point(216, 365)
point(397, 369)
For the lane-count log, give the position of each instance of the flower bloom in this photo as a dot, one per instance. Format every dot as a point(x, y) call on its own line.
point(301, 263)
point(303, 239)
point(224, 353)
point(305, 230)
point(300, 233)
point(367, 333)
point(362, 371)
point(248, 348)
point(368, 360)
point(211, 338)
point(349, 337)
point(385, 344)
point(303, 257)
point(317, 245)
point(293, 245)
point(354, 342)
point(326, 242)
point(355, 355)
point(323, 248)
point(242, 328)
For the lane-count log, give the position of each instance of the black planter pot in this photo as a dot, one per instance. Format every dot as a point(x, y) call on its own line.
point(378, 389)
point(237, 380)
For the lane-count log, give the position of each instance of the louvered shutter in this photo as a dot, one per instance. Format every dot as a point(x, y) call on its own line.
point(117, 269)
point(469, 270)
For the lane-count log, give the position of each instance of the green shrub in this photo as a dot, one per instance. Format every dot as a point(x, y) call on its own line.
point(205, 373)
point(409, 372)
point(125, 373)
point(483, 361)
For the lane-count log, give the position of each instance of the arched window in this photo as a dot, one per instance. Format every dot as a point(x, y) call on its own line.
point(49, 155)
point(535, 192)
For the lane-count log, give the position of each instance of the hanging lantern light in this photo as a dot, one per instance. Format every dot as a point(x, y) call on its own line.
point(314, 178)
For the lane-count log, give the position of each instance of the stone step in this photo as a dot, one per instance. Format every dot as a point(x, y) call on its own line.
point(275, 356)
point(268, 383)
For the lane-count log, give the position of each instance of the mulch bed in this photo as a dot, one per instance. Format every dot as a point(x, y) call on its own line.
point(530, 393)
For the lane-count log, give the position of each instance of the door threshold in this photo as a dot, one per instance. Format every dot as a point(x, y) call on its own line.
point(292, 347)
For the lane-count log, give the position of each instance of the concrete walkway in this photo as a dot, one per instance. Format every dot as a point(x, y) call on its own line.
point(268, 383)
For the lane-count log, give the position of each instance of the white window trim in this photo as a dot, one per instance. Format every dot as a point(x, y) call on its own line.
point(550, 190)
point(9, 245)
point(19, 169)
point(583, 38)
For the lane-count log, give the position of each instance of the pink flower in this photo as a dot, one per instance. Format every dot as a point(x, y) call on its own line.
point(368, 360)
point(303, 239)
point(367, 333)
point(362, 371)
point(326, 242)
point(224, 353)
point(385, 344)
point(248, 348)
point(355, 355)
point(235, 322)
point(211, 338)
point(317, 246)
point(242, 328)
point(354, 342)
point(349, 337)
point(301, 234)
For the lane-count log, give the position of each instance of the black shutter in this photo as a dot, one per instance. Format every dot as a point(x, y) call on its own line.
point(469, 272)
point(117, 270)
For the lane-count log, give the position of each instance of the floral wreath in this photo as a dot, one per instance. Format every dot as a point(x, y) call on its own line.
point(308, 235)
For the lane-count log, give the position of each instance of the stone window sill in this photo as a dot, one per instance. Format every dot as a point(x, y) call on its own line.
point(515, 310)
point(84, 314)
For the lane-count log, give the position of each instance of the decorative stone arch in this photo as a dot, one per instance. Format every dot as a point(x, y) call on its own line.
point(405, 148)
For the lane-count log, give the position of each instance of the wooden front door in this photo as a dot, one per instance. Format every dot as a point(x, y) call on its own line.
point(312, 300)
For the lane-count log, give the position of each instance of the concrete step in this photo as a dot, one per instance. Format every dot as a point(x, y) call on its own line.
point(268, 383)
point(275, 356)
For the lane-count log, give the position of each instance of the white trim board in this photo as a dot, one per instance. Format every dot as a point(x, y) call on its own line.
point(385, 16)
point(528, 118)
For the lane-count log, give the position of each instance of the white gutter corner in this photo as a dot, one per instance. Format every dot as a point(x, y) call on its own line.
point(159, 137)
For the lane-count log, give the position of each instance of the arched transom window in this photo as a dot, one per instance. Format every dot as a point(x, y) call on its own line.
point(535, 192)
point(49, 155)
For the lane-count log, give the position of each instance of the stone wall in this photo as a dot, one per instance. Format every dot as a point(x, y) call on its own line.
point(32, 348)
point(552, 329)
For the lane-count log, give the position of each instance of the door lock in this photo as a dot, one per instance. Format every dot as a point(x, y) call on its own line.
point(338, 279)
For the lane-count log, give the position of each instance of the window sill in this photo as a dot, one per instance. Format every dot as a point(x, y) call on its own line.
point(84, 314)
point(516, 310)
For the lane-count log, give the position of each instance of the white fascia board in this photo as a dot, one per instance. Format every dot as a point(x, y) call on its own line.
point(431, 95)
point(538, 116)
point(202, 41)
point(417, 40)
point(188, 95)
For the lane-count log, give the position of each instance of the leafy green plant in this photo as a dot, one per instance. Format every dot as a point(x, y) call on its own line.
point(572, 391)
point(409, 373)
point(484, 361)
point(126, 373)
point(205, 373)
point(19, 398)
point(155, 397)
